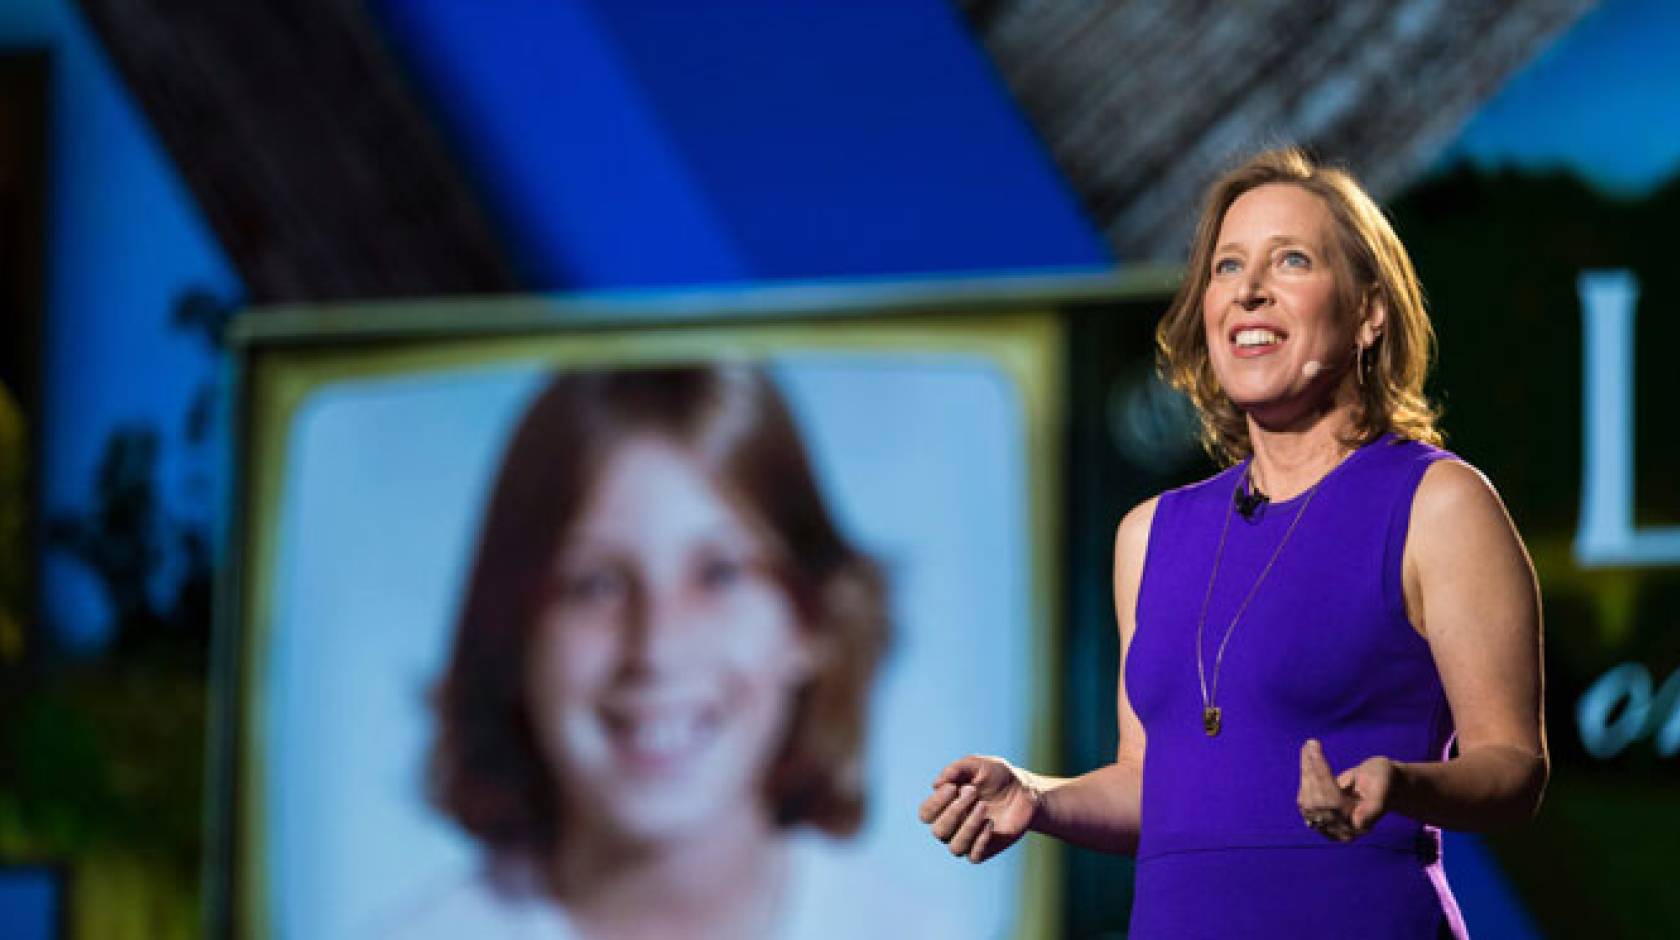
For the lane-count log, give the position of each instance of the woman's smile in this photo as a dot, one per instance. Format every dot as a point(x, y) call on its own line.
point(1270, 307)
point(1251, 339)
point(653, 740)
point(668, 655)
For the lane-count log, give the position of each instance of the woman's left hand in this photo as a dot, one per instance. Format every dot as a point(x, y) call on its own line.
point(1346, 806)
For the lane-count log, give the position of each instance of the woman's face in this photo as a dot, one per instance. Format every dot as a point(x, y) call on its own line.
point(666, 655)
point(1277, 341)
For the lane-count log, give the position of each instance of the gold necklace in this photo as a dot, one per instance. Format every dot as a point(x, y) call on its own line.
point(1210, 712)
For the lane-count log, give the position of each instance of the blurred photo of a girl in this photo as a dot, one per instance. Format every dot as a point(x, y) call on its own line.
point(653, 713)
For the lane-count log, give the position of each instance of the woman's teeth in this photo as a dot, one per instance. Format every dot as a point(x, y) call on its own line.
point(1257, 337)
point(662, 736)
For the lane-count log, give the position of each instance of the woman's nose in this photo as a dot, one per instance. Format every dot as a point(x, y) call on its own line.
point(657, 631)
point(1252, 292)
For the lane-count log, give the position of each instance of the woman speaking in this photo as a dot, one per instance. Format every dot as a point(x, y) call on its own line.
point(1308, 634)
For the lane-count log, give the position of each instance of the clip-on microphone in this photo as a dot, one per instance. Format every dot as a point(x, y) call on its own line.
point(1248, 500)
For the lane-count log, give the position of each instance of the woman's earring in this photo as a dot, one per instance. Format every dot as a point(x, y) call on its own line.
point(1359, 364)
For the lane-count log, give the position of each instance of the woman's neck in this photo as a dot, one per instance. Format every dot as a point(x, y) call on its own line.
point(722, 881)
point(1289, 461)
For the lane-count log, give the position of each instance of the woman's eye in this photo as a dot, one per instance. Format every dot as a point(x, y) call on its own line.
point(1226, 266)
point(591, 586)
point(720, 571)
point(1295, 259)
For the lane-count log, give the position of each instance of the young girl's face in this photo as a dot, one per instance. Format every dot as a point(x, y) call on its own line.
point(666, 655)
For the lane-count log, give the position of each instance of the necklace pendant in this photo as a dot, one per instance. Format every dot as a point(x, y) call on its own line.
point(1210, 720)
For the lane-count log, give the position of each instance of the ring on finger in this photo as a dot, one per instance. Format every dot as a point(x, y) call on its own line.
point(1320, 821)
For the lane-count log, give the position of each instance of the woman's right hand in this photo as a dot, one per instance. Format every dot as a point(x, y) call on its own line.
point(981, 806)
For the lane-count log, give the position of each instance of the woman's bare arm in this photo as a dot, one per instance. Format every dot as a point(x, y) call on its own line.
point(1470, 590)
point(1101, 809)
point(982, 805)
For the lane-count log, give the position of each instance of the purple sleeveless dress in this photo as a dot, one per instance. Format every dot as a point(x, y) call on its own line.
point(1323, 651)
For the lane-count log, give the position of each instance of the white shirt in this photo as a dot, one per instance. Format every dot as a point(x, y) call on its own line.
point(834, 893)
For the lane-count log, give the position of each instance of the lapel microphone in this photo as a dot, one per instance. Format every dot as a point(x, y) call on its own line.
point(1248, 500)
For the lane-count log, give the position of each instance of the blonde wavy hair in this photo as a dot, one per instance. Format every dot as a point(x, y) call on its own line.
point(1370, 263)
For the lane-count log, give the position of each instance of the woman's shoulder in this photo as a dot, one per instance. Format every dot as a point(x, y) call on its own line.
point(1399, 467)
point(1132, 535)
point(1443, 478)
point(1456, 514)
point(1402, 449)
point(1216, 487)
point(1453, 488)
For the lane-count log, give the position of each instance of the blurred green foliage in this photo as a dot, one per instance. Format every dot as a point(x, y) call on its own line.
point(102, 757)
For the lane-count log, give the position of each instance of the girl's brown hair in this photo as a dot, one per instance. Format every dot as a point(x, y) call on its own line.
point(486, 771)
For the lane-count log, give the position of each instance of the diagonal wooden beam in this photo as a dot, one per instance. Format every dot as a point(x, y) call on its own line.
point(1143, 103)
point(319, 173)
